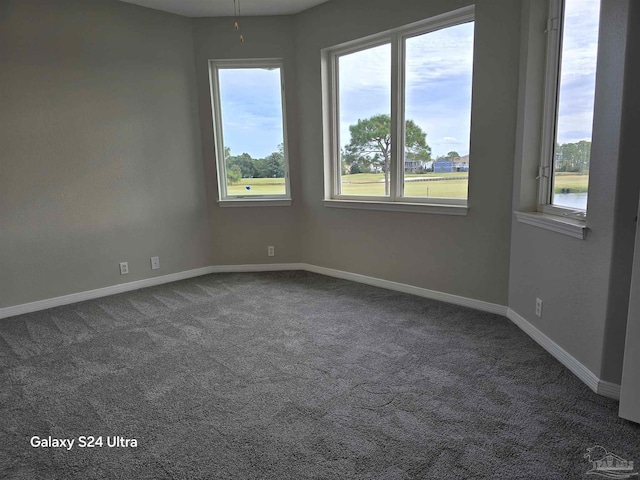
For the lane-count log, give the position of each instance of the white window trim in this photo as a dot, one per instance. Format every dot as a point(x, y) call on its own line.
point(395, 201)
point(555, 23)
point(397, 206)
point(566, 226)
point(225, 200)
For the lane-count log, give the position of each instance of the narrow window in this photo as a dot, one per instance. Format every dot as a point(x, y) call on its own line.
point(250, 135)
point(574, 36)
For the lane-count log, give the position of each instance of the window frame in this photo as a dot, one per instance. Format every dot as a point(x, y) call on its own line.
point(224, 199)
point(555, 31)
point(396, 39)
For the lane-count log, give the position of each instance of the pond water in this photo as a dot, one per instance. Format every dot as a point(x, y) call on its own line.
point(571, 200)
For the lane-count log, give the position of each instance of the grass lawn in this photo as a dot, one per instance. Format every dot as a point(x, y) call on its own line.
point(259, 186)
point(441, 189)
point(455, 186)
point(575, 182)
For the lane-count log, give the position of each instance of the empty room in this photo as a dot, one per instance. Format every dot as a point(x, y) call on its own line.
point(341, 239)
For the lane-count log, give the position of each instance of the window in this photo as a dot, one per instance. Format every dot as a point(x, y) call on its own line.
point(398, 116)
point(249, 132)
point(569, 99)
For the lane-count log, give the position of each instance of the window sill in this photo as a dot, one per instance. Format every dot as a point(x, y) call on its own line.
point(255, 202)
point(431, 208)
point(566, 226)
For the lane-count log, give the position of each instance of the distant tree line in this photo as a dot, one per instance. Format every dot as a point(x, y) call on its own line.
point(573, 157)
point(244, 166)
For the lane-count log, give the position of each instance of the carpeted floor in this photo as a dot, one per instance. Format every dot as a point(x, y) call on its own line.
point(291, 375)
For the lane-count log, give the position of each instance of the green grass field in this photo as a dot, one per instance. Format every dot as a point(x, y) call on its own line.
point(454, 185)
point(575, 182)
point(369, 184)
point(259, 186)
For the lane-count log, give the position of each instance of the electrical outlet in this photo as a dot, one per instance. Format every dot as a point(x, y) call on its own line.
point(124, 268)
point(155, 263)
point(538, 307)
point(271, 251)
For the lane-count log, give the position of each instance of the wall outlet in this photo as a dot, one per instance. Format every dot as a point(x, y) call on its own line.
point(124, 268)
point(155, 263)
point(271, 251)
point(538, 307)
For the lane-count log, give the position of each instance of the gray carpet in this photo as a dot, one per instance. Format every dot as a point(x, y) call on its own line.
point(291, 375)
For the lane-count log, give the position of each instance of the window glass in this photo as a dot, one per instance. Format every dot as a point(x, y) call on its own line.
point(576, 94)
point(438, 75)
point(252, 131)
point(364, 125)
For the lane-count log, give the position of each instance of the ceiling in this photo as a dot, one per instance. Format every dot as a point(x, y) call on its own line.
point(224, 8)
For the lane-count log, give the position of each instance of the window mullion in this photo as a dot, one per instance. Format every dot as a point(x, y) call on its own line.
point(335, 127)
point(554, 35)
point(285, 138)
point(218, 134)
point(395, 163)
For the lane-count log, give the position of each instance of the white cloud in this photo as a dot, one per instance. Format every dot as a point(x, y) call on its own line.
point(369, 68)
point(439, 55)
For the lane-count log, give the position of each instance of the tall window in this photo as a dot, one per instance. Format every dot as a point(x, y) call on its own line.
point(570, 92)
point(400, 109)
point(249, 129)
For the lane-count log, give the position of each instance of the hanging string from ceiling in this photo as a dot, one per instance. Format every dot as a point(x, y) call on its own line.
point(236, 23)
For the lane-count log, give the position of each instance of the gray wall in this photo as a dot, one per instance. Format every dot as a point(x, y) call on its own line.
point(467, 256)
point(625, 207)
point(584, 284)
point(630, 391)
point(100, 152)
point(241, 235)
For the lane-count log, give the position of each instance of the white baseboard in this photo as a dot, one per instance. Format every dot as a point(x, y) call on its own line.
point(404, 288)
point(258, 267)
point(590, 379)
point(269, 267)
point(101, 292)
point(147, 282)
point(608, 389)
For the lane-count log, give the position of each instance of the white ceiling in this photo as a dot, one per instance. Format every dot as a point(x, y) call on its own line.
point(224, 8)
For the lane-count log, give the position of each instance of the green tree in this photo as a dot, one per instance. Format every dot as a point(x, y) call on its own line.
point(245, 163)
point(573, 157)
point(371, 139)
point(272, 166)
point(453, 154)
point(352, 162)
point(234, 175)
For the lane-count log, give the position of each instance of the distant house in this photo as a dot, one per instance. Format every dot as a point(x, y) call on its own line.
point(415, 166)
point(450, 165)
point(461, 164)
point(443, 165)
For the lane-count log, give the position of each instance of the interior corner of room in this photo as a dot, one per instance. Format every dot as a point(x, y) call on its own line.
point(107, 155)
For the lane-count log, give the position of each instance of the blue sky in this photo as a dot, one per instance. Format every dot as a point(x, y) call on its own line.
point(251, 105)
point(438, 89)
point(577, 78)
